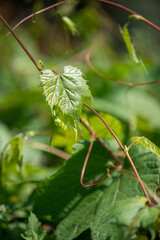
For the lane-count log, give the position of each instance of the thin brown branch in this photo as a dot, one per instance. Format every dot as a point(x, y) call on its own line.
point(36, 13)
point(101, 74)
point(131, 85)
point(49, 149)
point(85, 162)
point(111, 131)
point(138, 177)
point(94, 136)
point(100, 141)
point(21, 44)
point(98, 180)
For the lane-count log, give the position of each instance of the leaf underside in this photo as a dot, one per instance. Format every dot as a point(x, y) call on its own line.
point(65, 94)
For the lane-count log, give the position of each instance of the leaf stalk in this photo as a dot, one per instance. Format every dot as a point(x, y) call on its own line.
point(22, 45)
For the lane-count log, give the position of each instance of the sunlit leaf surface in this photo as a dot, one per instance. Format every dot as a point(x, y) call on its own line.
point(65, 94)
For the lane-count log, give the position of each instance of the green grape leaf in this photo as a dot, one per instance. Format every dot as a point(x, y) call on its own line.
point(114, 211)
point(82, 217)
point(64, 188)
point(65, 94)
point(129, 45)
point(33, 229)
point(146, 143)
point(13, 152)
point(108, 209)
point(70, 25)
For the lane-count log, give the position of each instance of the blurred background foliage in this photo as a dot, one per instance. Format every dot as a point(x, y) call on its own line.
point(22, 104)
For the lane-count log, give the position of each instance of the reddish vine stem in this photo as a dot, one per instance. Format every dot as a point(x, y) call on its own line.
point(104, 1)
point(131, 85)
point(85, 162)
point(131, 12)
point(125, 150)
point(100, 141)
point(138, 177)
point(36, 13)
point(98, 180)
point(22, 45)
point(102, 75)
point(111, 131)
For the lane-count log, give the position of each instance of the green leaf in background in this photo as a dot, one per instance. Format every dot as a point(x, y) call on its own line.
point(100, 129)
point(146, 218)
point(146, 143)
point(135, 107)
point(70, 25)
point(65, 94)
point(127, 40)
point(130, 47)
point(33, 229)
point(58, 194)
point(13, 153)
point(61, 140)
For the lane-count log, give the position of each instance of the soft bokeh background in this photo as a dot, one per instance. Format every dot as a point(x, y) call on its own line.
point(22, 104)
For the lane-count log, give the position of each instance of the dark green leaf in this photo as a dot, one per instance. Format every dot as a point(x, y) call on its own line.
point(64, 188)
point(108, 209)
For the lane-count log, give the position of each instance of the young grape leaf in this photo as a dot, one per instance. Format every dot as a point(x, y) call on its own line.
point(127, 40)
point(130, 47)
point(13, 152)
point(33, 229)
point(70, 25)
point(65, 94)
point(146, 143)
